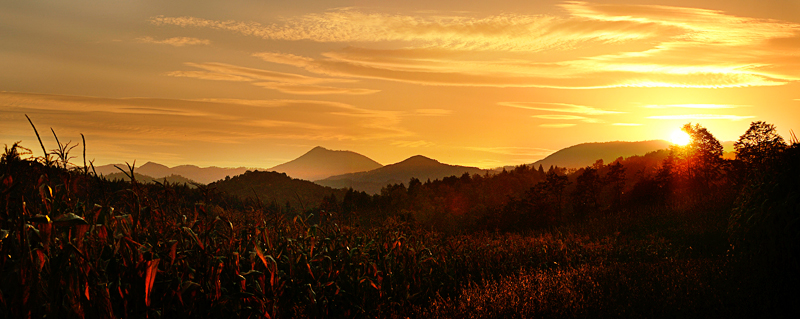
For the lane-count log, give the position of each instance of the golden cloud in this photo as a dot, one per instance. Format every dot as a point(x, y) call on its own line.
point(565, 125)
point(129, 120)
point(284, 82)
point(642, 46)
point(433, 112)
point(303, 89)
point(693, 106)
point(413, 144)
point(626, 124)
point(506, 32)
point(566, 117)
point(700, 117)
point(177, 41)
point(516, 151)
point(558, 107)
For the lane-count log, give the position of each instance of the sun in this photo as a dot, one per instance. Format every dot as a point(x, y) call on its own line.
point(680, 138)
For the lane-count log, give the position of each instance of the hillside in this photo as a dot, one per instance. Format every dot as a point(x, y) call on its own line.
point(586, 154)
point(277, 187)
point(172, 179)
point(203, 175)
point(320, 163)
point(417, 166)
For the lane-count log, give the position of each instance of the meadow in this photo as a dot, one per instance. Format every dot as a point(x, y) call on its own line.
point(75, 245)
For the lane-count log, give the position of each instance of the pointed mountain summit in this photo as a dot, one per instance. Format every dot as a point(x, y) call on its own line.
point(321, 163)
point(417, 166)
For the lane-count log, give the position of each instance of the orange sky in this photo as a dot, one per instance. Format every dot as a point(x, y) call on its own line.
point(256, 84)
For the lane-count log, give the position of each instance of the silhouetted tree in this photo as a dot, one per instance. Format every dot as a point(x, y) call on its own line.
point(554, 185)
point(615, 179)
point(759, 145)
point(703, 155)
point(586, 190)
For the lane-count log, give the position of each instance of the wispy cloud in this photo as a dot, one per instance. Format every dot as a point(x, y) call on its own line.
point(284, 82)
point(563, 125)
point(694, 106)
point(413, 144)
point(202, 75)
point(260, 74)
point(516, 151)
point(626, 124)
point(229, 120)
point(644, 46)
point(700, 117)
point(566, 117)
point(506, 32)
point(558, 107)
point(304, 89)
point(432, 112)
point(177, 41)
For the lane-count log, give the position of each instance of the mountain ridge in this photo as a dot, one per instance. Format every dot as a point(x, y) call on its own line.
point(417, 166)
point(203, 175)
point(586, 154)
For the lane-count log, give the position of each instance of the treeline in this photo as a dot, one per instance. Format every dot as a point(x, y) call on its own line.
point(691, 177)
point(513, 200)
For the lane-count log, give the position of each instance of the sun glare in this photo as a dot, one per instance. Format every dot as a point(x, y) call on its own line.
point(680, 138)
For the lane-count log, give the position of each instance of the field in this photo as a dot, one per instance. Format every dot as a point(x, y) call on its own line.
point(75, 245)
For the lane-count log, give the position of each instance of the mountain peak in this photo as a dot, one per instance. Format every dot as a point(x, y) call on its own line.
point(153, 165)
point(420, 160)
point(319, 163)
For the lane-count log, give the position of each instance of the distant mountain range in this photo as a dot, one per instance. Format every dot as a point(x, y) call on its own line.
point(320, 163)
point(586, 154)
point(172, 179)
point(203, 175)
point(418, 166)
point(346, 169)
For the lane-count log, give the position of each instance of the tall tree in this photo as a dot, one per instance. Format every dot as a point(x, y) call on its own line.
point(587, 187)
point(703, 155)
point(759, 145)
point(615, 179)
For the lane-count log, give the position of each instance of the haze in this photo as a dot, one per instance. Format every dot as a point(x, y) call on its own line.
point(486, 84)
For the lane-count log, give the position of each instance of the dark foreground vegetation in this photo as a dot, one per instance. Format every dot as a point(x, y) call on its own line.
point(677, 233)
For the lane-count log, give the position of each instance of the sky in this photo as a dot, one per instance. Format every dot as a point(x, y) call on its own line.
point(478, 83)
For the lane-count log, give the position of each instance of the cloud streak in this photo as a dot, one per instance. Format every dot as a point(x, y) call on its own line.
point(283, 82)
point(176, 41)
point(650, 46)
point(558, 107)
point(129, 120)
point(694, 106)
point(566, 117)
point(506, 32)
point(515, 151)
point(563, 125)
point(700, 117)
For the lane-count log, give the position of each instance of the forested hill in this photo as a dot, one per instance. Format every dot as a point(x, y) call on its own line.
point(418, 166)
point(276, 187)
point(586, 154)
